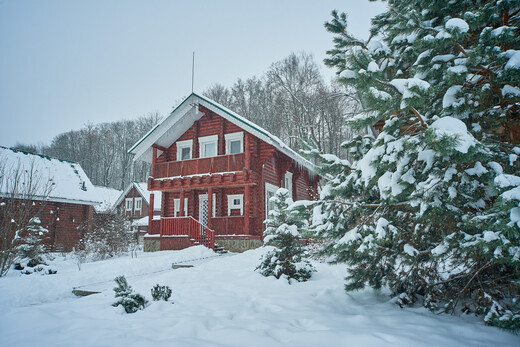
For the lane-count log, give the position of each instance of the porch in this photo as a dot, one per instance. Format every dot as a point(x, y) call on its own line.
point(173, 233)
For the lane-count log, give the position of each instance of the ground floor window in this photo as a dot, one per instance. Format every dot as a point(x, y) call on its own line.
point(270, 191)
point(177, 207)
point(288, 182)
point(236, 201)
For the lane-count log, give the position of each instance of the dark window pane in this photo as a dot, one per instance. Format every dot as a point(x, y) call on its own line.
point(186, 153)
point(234, 147)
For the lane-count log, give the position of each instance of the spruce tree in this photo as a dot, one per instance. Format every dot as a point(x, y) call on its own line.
point(131, 301)
point(283, 231)
point(431, 208)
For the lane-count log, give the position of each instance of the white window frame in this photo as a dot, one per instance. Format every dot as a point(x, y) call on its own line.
point(138, 201)
point(233, 137)
point(184, 144)
point(205, 140)
point(177, 207)
point(129, 204)
point(231, 203)
point(287, 182)
point(272, 189)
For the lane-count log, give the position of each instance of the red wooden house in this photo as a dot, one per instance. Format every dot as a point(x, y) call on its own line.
point(216, 171)
point(134, 203)
point(59, 192)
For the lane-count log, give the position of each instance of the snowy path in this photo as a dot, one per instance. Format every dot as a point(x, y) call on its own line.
point(220, 302)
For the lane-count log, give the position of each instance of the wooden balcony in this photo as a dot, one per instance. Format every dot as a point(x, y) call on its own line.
point(221, 163)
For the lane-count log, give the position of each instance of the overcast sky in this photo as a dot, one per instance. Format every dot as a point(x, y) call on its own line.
point(66, 63)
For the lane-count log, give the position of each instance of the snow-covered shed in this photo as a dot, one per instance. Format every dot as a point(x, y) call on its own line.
point(59, 190)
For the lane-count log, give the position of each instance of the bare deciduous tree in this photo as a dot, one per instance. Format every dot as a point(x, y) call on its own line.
point(293, 102)
point(23, 194)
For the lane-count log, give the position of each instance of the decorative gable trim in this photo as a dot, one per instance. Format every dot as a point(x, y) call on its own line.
point(181, 119)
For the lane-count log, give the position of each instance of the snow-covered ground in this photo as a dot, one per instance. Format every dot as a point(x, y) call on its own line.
point(220, 301)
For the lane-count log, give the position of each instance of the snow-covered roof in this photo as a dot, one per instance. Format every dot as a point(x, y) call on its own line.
point(108, 196)
point(142, 188)
point(67, 180)
point(183, 117)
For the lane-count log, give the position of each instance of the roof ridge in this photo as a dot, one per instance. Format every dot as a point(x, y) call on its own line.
point(43, 156)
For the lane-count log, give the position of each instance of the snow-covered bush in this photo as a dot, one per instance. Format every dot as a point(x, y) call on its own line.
point(80, 253)
point(161, 293)
point(131, 302)
point(107, 236)
point(431, 208)
point(288, 258)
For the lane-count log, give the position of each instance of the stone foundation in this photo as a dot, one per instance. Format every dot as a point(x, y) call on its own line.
point(152, 244)
point(238, 244)
point(234, 243)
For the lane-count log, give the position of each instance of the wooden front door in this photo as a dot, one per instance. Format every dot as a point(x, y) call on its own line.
point(203, 209)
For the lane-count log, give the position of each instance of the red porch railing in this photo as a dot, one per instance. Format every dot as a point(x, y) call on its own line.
point(228, 225)
point(221, 163)
point(188, 226)
point(155, 227)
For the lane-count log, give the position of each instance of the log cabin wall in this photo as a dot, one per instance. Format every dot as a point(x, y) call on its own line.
point(62, 221)
point(302, 186)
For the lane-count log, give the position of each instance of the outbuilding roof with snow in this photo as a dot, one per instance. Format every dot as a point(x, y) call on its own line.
point(108, 196)
point(183, 117)
point(53, 179)
point(142, 189)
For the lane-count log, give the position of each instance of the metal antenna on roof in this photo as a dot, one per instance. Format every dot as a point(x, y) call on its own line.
point(192, 71)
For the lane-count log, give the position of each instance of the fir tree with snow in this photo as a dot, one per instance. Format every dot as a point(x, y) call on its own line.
point(161, 293)
point(131, 302)
point(31, 246)
point(283, 231)
point(431, 208)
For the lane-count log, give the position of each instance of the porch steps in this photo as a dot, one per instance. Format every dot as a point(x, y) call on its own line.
point(220, 250)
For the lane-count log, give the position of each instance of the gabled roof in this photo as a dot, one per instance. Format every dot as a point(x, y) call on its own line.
point(108, 196)
point(142, 189)
point(68, 181)
point(183, 117)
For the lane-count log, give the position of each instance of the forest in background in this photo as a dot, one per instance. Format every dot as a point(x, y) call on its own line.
point(291, 100)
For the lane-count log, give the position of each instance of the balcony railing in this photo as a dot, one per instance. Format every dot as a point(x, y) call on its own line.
point(232, 225)
point(221, 163)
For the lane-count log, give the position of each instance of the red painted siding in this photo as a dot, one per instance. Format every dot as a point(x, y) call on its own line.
point(134, 193)
point(62, 221)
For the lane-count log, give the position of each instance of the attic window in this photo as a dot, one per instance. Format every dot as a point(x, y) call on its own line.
point(184, 149)
point(208, 146)
point(129, 204)
point(138, 204)
point(234, 143)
